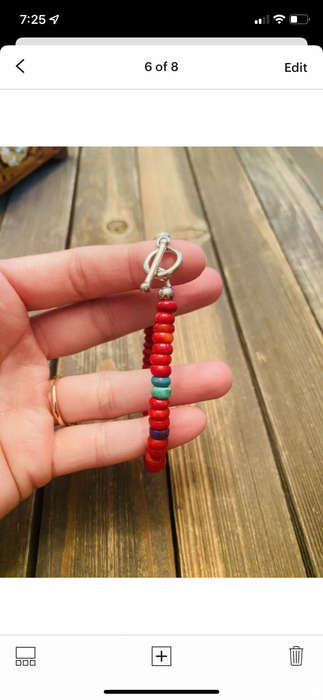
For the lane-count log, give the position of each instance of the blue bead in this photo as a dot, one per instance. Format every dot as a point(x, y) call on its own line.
point(161, 381)
point(159, 434)
point(161, 392)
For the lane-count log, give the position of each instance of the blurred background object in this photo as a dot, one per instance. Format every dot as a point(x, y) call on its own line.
point(16, 162)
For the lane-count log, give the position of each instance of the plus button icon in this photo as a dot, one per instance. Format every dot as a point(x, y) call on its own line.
point(161, 656)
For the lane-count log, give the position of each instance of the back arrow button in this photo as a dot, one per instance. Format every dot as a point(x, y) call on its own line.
point(19, 64)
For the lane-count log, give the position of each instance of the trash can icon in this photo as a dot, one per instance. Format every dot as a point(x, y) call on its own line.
point(296, 656)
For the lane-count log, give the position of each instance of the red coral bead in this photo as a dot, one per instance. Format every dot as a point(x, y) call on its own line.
point(157, 454)
point(157, 444)
point(161, 317)
point(158, 404)
point(148, 330)
point(162, 348)
point(162, 338)
point(152, 465)
point(160, 370)
point(164, 328)
point(159, 424)
point(146, 366)
point(148, 345)
point(160, 359)
point(147, 353)
point(167, 305)
point(159, 415)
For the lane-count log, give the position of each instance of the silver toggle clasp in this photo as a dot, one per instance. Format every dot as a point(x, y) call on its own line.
point(154, 271)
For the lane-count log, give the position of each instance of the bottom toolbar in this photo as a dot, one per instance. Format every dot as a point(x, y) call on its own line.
point(130, 667)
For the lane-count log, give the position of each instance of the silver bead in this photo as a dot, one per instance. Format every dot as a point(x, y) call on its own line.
point(166, 293)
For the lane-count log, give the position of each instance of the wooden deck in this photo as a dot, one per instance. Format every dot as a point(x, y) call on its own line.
point(246, 498)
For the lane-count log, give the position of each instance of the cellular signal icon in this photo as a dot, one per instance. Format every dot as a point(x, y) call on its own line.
point(279, 18)
point(263, 20)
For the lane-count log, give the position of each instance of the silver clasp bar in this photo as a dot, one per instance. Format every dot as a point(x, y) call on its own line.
point(154, 271)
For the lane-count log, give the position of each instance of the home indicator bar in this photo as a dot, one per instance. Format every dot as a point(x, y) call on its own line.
point(161, 692)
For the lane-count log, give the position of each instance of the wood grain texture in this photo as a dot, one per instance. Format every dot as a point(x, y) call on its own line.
point(279, 332)
point(18, 539)
point(308, 164)
point(230, 511)
point(107, 207)
point(36, 219)
point(115, 521)
point(295, 216)
point(4, 199)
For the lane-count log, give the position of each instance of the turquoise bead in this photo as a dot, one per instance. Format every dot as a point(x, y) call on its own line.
point(161, 381)
point(161, 392)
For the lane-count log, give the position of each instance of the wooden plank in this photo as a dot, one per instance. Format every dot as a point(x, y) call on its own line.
point(107, 207)
point(37, 217)
point(230, 512)
point(4, 199)
point(114, 522)
point(19, 532)
point(279, 332)
point(36, 221)
point(295, 216)
point(308, 164)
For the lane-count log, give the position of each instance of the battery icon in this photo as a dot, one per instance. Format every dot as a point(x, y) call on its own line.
point(299, 19)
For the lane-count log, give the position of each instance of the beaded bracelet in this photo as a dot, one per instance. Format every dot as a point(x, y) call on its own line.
point(157, 352)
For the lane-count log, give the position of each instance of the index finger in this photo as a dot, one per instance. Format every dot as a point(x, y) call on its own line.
point(69, 276)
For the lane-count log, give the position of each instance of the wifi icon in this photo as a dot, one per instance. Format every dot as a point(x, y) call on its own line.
point(279, 18)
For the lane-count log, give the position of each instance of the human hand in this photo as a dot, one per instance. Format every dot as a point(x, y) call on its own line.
point(96, 294)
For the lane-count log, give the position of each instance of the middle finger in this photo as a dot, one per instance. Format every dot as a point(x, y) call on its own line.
point(77, 327)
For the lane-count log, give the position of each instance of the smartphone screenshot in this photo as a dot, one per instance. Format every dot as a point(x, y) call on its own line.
point(161, 384)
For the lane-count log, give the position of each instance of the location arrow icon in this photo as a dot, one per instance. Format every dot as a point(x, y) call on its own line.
point(19, 64)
